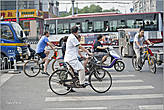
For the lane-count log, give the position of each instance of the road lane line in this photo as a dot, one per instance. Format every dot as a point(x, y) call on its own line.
point(99, 98)
point(86, 108)
point(151, 107)
point(120, 88)
point(4, 78)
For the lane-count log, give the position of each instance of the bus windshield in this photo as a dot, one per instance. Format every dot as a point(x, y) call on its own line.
point(18, 30)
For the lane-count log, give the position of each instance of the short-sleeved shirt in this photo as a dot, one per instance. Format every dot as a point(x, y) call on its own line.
point(96, 44)
point(139, 39)
point(42, 44)
point(71, 48)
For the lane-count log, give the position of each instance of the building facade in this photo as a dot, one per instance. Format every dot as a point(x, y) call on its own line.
point(140, 6)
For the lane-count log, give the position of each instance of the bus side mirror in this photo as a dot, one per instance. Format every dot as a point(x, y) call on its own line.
point(21, 33)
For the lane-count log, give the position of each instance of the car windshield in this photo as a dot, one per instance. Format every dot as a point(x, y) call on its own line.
point(18, 30)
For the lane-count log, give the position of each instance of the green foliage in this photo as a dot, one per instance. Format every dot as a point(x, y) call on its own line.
point(91, 9)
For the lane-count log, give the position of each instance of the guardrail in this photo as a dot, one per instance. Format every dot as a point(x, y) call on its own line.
point(8, 65)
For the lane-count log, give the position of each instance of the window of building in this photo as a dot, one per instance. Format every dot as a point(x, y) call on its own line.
point(98, 26)
point(6, 32)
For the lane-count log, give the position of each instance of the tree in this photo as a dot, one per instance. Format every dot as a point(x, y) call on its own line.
point(91, 9)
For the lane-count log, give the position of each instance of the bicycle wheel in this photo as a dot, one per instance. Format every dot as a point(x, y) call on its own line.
point(31, 68)
point(58, 81)
point(152, 64)
point(57, 64)
point(100, 85)
point(119, 66)
point(134, 63)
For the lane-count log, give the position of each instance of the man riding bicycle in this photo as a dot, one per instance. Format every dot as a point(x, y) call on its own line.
point(40, 50)
point(71, 55)
point(138, 44)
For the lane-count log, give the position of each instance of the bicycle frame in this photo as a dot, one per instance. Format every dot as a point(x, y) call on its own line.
point(147, 53)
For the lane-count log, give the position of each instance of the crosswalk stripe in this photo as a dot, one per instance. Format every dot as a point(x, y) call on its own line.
point(86, 108)
point(121, 76)
point(120, 88)
point(151, 107)
point(4, 78)
point(96, 98)
point(116, 81)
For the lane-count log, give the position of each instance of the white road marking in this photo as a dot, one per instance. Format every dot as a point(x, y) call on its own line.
point(4, 78)
point(86, 108)
point(120, 88)
point(151, 107)
point(121, 76)
point(98, 98)
point(116, 81)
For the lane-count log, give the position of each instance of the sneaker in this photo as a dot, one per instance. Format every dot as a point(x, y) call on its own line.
point(83, 85)
point(45, 73)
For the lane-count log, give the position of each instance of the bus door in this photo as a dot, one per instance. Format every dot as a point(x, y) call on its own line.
point(126, 37)
point(123, 45)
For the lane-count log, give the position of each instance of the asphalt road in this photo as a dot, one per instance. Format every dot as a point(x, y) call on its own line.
point(131, 90)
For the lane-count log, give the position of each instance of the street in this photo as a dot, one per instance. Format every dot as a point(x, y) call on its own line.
point(131, 90)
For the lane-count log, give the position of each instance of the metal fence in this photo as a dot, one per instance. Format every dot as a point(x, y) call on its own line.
point(8, 65)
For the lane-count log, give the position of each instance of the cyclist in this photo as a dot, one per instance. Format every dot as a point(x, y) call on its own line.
point(138, 44)
point(40, 50)
point(71, 55)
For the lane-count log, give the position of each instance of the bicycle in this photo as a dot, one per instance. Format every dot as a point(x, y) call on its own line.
point(33, 67)
point(63, 80)
point(146, 55)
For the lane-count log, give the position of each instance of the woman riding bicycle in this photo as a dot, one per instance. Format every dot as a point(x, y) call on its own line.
point(138, 44)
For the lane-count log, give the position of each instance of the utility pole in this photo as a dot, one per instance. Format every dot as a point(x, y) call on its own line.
point(17, 12)
point(76, 7)
point(73, 7)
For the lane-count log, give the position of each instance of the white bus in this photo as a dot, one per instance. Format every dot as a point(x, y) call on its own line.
point(90, 25)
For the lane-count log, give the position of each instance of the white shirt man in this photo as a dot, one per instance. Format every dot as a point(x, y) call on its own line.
point(71, 55)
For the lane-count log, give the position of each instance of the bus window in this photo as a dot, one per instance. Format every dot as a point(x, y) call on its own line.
point(130, 23)
point(52, 29)
point(84, 27)
point(60, 28)
point(113, 25)
point(98, 26)
point(121, 24)
point(106, 26)
point(90, 27)
point(72, 24)
point(138, 23)
point(79, 26)
point(66, 28)
point(6, 32)
point(150, 25)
